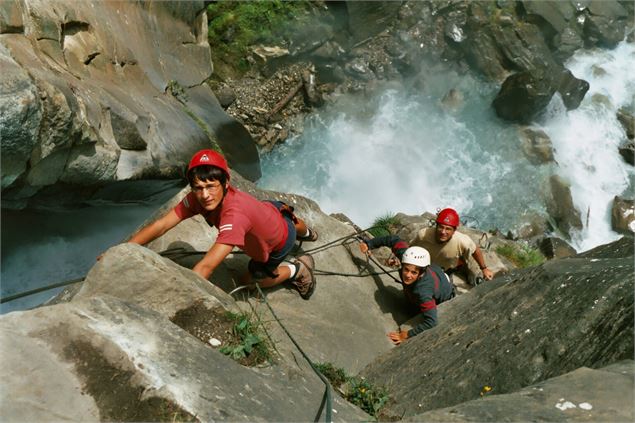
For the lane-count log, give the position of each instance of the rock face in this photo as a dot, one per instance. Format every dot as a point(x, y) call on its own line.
point(98, 92)
point(583, 395)
point(623, 215)
point(536, 145)
point(561, 207)
point(113, 347)
point(132, 290)
point(503, 334)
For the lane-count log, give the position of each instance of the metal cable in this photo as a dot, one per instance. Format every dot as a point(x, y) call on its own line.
point(328, 395)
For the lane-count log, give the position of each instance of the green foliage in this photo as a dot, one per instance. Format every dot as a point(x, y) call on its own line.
point(384, 225)
point(335, 375)
point(236, 25)
point(359, 391)
point(249, 340)
point(365, 396)
point(176, 90)
point(522, 256)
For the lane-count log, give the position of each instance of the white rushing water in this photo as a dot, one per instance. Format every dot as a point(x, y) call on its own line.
point(586, 140)
point(400, 151)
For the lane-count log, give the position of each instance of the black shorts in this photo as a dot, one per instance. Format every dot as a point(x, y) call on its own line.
point(260, 270)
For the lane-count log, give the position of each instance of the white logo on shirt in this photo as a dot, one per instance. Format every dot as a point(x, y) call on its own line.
point(227, 227)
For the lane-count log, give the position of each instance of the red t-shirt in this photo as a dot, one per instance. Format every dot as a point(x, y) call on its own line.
point(255, 226)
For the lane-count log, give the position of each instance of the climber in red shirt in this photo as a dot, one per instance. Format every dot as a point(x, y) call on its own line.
point(265, 230)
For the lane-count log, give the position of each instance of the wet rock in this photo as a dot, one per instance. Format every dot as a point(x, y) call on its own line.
point(328, 52)
point(483, 55)
point(358, 68)
point(554, 247)
point(602, 99)
point(627, 119)
point(524, 47)
point(452, 101)
point(225, 96)
point(312, 95)
point(330, 73)
point(366, 19)
point(551, 17)
point(536, 145)
point(567, 42)
point(532, 224)
point(598, 71)
point(571, 89)
point(623, 215)
point(627, 151)
point(523, 96)
point(605, 24)
point(560, 206)
point(265, 53)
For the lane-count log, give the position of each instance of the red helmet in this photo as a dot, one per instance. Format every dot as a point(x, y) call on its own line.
point(448, 217)
point(209, 158)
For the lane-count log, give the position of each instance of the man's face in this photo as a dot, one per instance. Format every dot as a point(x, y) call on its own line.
point(208, 193)
point(444, 232)
point(410, 273)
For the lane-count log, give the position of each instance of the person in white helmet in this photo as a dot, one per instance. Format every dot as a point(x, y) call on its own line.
point(424, 284)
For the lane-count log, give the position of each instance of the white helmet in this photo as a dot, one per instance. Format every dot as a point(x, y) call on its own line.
point(418, 256)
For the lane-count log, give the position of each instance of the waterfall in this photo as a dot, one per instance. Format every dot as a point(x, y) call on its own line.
point(586, 140)
point(402, 151)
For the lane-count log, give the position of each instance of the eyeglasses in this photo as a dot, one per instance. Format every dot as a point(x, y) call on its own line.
point(211, 188)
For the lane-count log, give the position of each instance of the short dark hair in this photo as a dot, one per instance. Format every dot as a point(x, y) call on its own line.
point(206, 173)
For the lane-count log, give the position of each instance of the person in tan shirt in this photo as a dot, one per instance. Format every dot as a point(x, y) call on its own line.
point(452, 249)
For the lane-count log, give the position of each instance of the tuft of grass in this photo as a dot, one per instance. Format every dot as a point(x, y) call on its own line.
point(335, 375)
point(249, 342)
point(176, 90)
point(358, 390)
point(521, 256)
point(384, 225)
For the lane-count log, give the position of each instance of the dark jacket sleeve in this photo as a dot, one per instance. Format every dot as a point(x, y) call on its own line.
point(429, 321)
point(424, 293)
point(396, 244)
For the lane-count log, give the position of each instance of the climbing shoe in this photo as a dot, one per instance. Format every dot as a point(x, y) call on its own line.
point(311, 237)
point(304, 281)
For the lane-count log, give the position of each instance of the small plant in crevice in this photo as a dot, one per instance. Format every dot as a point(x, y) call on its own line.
point(176, 90)
point(249, 343)
point(384, 225)
point(522, 256)
point(369, 398)
point(335, 375)
point(355, 389)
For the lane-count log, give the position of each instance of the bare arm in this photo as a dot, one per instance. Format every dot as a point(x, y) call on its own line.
point(156, 228)
point(212, 259)
point(480, 260)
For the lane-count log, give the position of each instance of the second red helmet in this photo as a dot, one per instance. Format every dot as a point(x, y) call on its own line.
point(209, 158)
point(448, 217)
